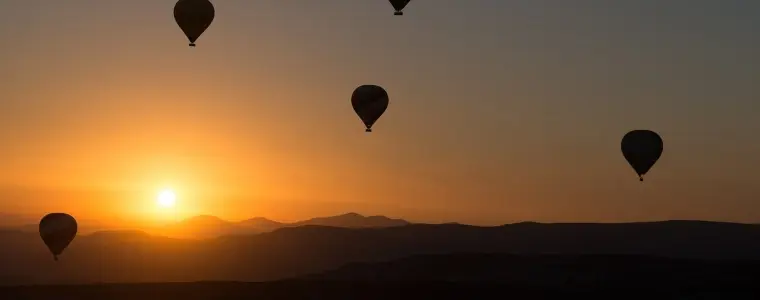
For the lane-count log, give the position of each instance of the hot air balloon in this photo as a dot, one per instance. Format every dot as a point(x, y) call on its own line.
point(641, 148)
point(369, 102)
point(57, 231)
point(193, 17)
point(399, 5)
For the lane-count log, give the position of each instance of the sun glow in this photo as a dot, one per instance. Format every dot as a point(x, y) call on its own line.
point(166, 198)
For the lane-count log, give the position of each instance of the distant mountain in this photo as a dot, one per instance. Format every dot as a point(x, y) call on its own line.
point(262, 224)
point(129, 256)
point(205, 226)
point(353, 220)
point(210, 226)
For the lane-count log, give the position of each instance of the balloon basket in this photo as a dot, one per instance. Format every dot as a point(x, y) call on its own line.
point(192, 44)
point(398, 13)
point(368, 130)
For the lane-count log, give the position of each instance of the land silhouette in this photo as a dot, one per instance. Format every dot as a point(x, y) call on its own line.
point(207, 226)
point(386, 256)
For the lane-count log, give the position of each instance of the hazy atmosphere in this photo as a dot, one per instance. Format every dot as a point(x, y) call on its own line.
point(500, 111)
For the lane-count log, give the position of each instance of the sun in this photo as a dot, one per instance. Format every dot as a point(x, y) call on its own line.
point(166, 198)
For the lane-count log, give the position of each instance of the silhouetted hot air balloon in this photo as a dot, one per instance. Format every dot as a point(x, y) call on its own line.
point(193, 17)
point(57, 231)
point(369, 102)
point(641, 148)
point(399, 5)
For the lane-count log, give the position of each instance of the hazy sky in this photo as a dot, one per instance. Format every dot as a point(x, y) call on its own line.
point(501, 110)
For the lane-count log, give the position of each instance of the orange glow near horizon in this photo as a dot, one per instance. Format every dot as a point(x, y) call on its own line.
point(491, 119)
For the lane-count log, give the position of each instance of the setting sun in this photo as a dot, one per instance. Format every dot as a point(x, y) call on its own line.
point(166, 198)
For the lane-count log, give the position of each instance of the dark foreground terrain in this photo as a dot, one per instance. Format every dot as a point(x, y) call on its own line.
point(362, 290)
point(460, 276)
point(294, 252)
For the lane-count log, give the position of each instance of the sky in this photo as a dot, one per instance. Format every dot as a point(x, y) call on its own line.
point(500, 110)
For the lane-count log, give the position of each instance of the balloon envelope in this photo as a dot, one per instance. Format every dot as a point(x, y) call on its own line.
point(642, 149)
point(399, 5)
point(193, 17)
point(57, 231)
point(369, 102)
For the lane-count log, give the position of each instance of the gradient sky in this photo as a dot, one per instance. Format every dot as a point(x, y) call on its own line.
point(501, 110)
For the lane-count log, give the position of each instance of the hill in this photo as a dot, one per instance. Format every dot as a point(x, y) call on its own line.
point(262, 224)
point(553, 270)
point(299, 290)
point(205, 226)
point(461, 276)
point(352, 220)
point(210, 226)
point(297, 251)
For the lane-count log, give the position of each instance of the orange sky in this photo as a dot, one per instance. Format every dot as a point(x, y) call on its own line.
point(500, 111)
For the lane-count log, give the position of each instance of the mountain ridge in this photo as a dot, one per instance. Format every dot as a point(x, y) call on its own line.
point(209, 226)
point(205, 226)
point(291, 252)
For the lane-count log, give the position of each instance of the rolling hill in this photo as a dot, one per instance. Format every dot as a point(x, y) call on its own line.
point(298, 251)
point(553, 270)
point(205, 226)
point(210, 226)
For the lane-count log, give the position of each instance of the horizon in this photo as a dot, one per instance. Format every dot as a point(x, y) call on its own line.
point(500, 111)
point(100, 226)
point(138, 257)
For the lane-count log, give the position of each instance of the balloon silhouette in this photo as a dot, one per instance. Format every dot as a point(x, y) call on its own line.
point(369, 102)
point(399, 5)
point(193, 17)
point(641, 148)
point(57, 231)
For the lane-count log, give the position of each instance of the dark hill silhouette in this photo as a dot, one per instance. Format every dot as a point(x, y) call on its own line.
point(262, 224)
point(299, 290)
point(128, 256)
point(210, 226)
point(353, 220)
point(205, 226)
point(553, 270)
point(461, 276)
